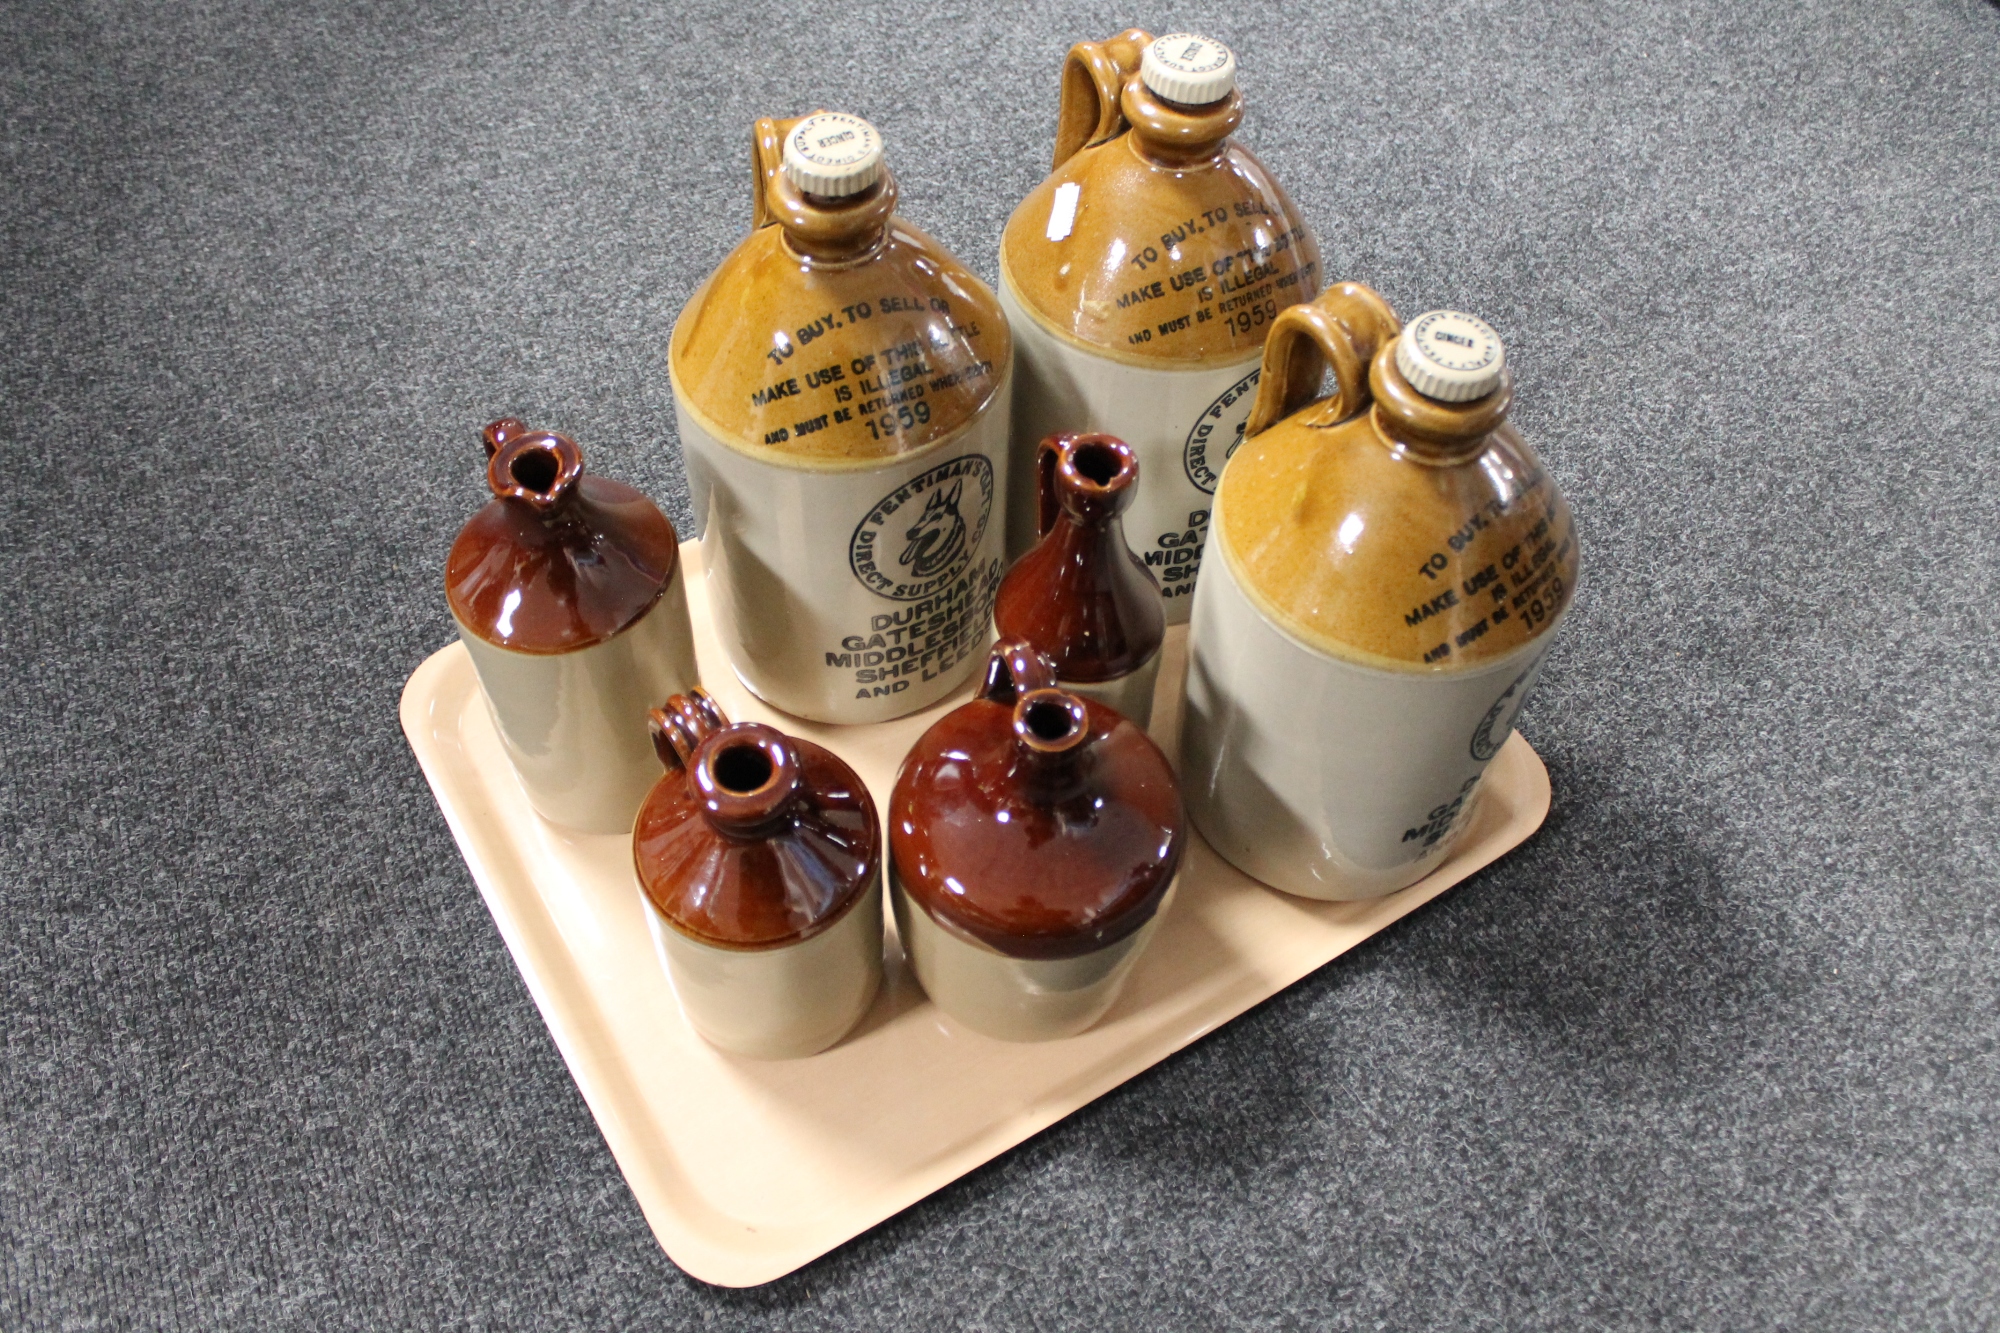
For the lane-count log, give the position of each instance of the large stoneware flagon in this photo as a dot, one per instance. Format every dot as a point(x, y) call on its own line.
point(1142, 278)
point(568, 596)
point(1386, 570)
point(841, 388)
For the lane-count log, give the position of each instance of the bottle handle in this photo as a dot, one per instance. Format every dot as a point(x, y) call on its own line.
point(1015, 667)
point(1341, 330)
point(1048, 501)
point(767, 158)
point(1093, 80)
point(497, 433)
point(682, 724)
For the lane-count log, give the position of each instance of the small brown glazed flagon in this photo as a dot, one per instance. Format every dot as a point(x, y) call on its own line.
point(762, 840)
point(557, 560)
point(569, 599)
point(1040, 823)
point(1035, 838)
point(1079, 594)
point(759, 859)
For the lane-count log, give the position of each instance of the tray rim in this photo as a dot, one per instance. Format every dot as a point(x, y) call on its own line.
point(563, 995)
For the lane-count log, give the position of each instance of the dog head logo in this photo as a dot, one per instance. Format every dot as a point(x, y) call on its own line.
point(938, 535)
point(917, 539)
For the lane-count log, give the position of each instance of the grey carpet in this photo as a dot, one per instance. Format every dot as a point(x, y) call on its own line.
point(1716, 1050)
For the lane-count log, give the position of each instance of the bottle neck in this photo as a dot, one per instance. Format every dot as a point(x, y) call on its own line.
point(1173, 135)
point(1086, 480)
point(747, 779)
point(1052, 735)
point(1430, 431)
point(822, 230)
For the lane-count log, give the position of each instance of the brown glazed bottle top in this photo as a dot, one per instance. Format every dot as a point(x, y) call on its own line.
point(557, 560)
point(836, 335)
point(1157, 238)
point(1414, 534)
point(763, 840)
point(1080, 594)
point(1045, 827)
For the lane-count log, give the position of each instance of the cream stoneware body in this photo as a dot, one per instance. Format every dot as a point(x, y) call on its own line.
point(777, 1004)
point(1015, 999)
point(1130, 694)
point(819, 614)
point(1368, 630)
point(575, 723)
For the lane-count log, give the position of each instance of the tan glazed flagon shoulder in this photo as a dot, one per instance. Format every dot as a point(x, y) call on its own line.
point(837, 335)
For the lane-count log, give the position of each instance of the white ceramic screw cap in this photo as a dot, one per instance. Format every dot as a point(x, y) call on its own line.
point(833, 154)
point(1185, 68)
point(1450, 356)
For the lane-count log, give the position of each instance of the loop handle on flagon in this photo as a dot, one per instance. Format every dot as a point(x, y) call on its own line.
point(1093, 81)
point(682, 724)
point(1014, 668)
point(1340, 330)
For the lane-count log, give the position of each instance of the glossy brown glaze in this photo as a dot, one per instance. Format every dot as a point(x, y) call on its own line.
point(836, 334)
point(1080, 594)
point(557, 560)
point(763, 840)
point(1171, 218)
point(1412, 534)
point(1045, 828)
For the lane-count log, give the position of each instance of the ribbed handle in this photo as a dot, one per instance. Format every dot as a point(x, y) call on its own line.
point(767, 164)
point(682, 724)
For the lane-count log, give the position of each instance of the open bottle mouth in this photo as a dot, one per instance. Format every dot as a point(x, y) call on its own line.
point(535, 470)
point(1098, 463)
point(747, 777)
point(535, 466)
point(744, 770)
point(1051, 722)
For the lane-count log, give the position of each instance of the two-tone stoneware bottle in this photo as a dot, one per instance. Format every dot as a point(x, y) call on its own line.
point(841, 386)
point(1035, 839)
point(1386, 572)
point(758, 856)
point(1142, 278)
point(1080, 595)
point(568, 594)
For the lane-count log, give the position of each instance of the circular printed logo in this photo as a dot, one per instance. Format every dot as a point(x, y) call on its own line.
point(922, 535)
point(1217, 432)
point(1494, 728)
